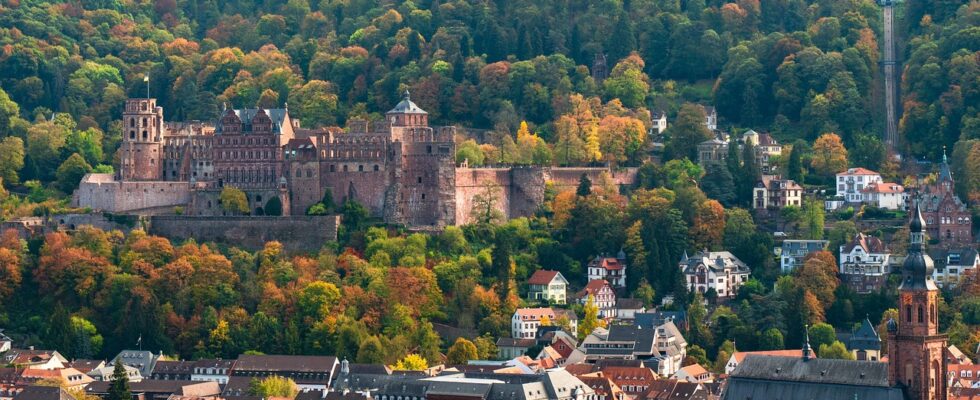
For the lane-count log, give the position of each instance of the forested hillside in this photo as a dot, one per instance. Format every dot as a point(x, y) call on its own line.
point(797, 68)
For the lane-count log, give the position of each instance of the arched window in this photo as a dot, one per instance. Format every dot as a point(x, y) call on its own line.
point(908, 313)
point(921, 315)
point(299, 173)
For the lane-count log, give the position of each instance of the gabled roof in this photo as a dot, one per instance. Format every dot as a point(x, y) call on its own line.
point(607, 263)
point(866, 338)
point(869, 244)
point(545, 277)
point(762, 377)
point(718, 261)
point(277, 115)
point(883, 188)
point(594, 287)
point(858, 171)
point(278, 363)
point(740, 355)
point(43, 393)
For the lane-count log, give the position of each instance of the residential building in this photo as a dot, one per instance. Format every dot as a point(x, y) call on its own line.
point(602, 295)
point(887, 195)
point(658, 122)
point(142, 360)
point(547, 287)
point(173, 370)
point(864, 263)
point(774, 192)
point(717, 271)
point(865, 344)
point(509, 348)
point(6, 343)
point(158, 390)
point(627, 309)
point(86, 365)
point(851, 183)
point(43, 393)
point(309, 372)
point(70, 377)
point(632, 380)
point(710, 117)
point(766, 147)
point(793, 251)
point(556, 384)
point(736, 358)
point(712, 151)
point(603, 387)
point(37, 359)
point(610, 269)
point(212, 370)
point(953, 265)
point(963, 375)
point(949, 220)
point(662, 348)
point(693, 373)
point(956, 356)
point(105, 373)
point(526, 321)
point(653, 319)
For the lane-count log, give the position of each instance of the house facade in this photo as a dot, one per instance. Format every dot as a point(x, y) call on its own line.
point(658, 122)
point(851, 183)
point(864, 263)
point(547, 287)
point(610, 269)
point(953, 265)
point(887, 195)
point(713, 151)
point(603, 296)
point(793, 251)
point(774, 192)
point(719, 271)
point(766, 147)
point(662, 348)
point(526, 321)
point(865, 344)
point(949, 220)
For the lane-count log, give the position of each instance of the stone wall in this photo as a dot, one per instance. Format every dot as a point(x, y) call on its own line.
point(102, 192)
point(296, 233)
point(519, 191)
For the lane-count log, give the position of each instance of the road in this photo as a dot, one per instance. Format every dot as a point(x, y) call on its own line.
point(891, 115)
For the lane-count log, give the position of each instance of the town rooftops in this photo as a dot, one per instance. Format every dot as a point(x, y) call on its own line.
point(858, 171)
point(594, 286)
point(184, 388)
point(869, 244)
point(43, 393)
point(797, 353)
point(543, 277)
point(285, 363)
point(86, 365)
point(716, 260)
point(765, 377)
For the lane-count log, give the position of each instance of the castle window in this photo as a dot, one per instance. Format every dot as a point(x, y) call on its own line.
point(345, 168)
point(376, 168)
point(309, 173)
point(921, 315)
point(423, 196)
point(360, 168)
point(132, 122)
point(428, 149)
point(145, 135)
point(420, 179)
point(132, 134)
point(332, 167)
point(908, 313)
point(299, 173)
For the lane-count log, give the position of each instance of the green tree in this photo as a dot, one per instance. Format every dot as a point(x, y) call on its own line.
point(119, 386)
point(698, 332)
point(273, 207)
point(71, 172)
point(485, 209)
point(371, 351)
point(813, 214)
point(771, 339)
point(461, 352)
point(273, 386)
point(822, 334)
point(11, 159)
point(88, 341)
point(584, 186)
point(794, 168)
point(686, 132)
point(835, 350)
point(233, 200)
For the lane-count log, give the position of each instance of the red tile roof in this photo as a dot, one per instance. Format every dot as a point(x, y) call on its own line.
point(859, 171)
point(609, 263)
point(542, 277)
point(884, 187)
point(594, 286)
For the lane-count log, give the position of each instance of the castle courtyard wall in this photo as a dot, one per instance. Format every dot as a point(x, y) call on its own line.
point(103, 193)
point(296, 233)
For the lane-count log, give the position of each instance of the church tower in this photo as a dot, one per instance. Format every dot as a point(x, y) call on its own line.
point(141, 152)
point(915, 347)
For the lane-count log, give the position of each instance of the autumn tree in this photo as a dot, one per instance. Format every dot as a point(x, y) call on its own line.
point(11, 159)
point(835, 350)
point(461, 352)
point(829, 155)
point(233, 200)
point(273, 386)
point(485, 209)
point(411, 362)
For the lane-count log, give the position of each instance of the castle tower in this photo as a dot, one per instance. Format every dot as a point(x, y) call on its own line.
point(406, 113)
point(915, 347)
point(141, 152)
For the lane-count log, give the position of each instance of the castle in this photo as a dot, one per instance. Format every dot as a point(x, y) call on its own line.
point(401, 169)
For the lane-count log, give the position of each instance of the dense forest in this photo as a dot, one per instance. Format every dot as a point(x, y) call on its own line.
point(805, 70)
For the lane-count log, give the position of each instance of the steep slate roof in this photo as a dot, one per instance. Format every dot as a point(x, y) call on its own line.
point(279, 363)
point(173, 367)
point(278, 116)
point(762, 377)
point(43, 393)
point(866, 338)
point(716, 260)
point(870, 244)
point(740, 355)
point(85, 365)
point(542, 277)
point(142, 360)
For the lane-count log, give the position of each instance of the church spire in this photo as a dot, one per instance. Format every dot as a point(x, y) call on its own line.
point(806, 343)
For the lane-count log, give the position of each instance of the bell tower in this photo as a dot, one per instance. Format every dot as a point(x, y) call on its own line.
point(915, 347)
point(141, 152)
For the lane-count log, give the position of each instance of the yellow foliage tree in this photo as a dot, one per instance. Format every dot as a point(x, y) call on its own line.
point(829, 155)
point(412, 362)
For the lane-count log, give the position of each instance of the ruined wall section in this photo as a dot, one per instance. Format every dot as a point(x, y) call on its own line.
point(101, 192)
point(471, 182)
point(426, 176)
point(296, 233)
